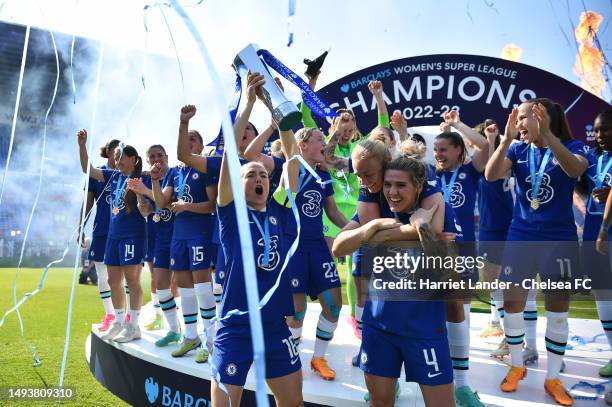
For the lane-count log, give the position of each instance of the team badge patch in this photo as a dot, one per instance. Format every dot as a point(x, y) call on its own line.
point(231, 369)
point(364, 358)
point(273, 220)
point(195, 176)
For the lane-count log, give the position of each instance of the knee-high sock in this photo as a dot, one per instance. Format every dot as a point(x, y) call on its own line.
point(359, 316)
point(530, 315)
point(168, 306)
point(134, 314)
point(156, 307)
point(514, 328)
point(325, 333)
point(604, 309)
point(189, 305)
point(103, 287)
point(497, 306)
point(127, 295)
point(207, 303)
point(459, 344)
point(557, 330)
point(218, 293)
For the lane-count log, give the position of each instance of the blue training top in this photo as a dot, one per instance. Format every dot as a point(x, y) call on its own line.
point(123, 224)
point(594, 210)
point(554, 218)
point(102, 195)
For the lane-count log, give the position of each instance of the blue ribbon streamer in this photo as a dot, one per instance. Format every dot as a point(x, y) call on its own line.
point(289, 20)
point(581, 341)
point(599, 388)
point(241, 215)
point(317, 105)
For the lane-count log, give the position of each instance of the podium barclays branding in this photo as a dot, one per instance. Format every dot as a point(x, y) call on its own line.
point(170, 397)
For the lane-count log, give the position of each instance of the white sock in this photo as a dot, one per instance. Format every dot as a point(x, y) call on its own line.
point(120, 316)
point(530, 315)
point(218, 293)
point(466, 312)
point(498, 298)
point(325, 333)
point(557, 330)
point(168, 306)
point(127, 295)
point(207, 303)
point(459, 344)
point(296, 334)
point(104, 288)
point(359, 316)
point(495, 314)
point(514, 327)
point(604, 309)
point(190, 312)
point(134, 314)
point(156, 307)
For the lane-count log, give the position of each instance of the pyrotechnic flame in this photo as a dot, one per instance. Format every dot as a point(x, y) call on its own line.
point(589, 60)
point(512, 52)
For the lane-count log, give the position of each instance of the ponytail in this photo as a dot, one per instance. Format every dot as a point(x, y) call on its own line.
point(130, 196)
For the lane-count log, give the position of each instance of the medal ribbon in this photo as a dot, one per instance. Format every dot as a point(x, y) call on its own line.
point(601, 174)
point(446, 189)
point(265, 233)
point(182, 182)
point(164, 184)
point(119, 192)
point(536, 178)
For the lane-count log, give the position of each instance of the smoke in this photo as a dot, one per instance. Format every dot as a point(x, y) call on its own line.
point(589, 60)
point(512, 52)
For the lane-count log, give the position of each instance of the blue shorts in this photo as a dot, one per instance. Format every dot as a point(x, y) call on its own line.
point(96, 248)
point(219, 276)
point(150, 248)
point(426, 361)
point(161, 258)
point(124, 252)
point(233, 353)
point(313, 269)
point(553, 261)
point(190, 254)
point(491, 245)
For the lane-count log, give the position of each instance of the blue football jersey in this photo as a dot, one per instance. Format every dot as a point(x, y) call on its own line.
point(494, 205)
point(122, 224)
point(594, 210)
point(165, 226)
point(554, 218)
point(234, 294)
point(102, 197)
point(190, 186)
point(462, 196)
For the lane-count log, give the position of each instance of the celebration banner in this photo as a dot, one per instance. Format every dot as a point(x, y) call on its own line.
point(426, 87)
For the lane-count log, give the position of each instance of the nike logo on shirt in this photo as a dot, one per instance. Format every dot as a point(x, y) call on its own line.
point(521, 161)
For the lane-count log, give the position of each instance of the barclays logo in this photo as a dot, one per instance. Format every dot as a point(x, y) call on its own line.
point(151, 389)
point(345, 88)
point(172, 398)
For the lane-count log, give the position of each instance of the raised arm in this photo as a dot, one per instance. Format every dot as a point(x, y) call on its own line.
point(307, 120)
point(254, 82)
point(183, 150)
point(254, 150)
point(499, 165)
point(376, 88)
point(573, 165)
point(399, 124)
point(480, 144)
point(161, 197)
point(94, 172)
point(331, 160)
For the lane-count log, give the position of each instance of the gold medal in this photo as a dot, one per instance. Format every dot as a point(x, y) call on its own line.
point(535, 204)
point(115, 211)
point(156, 218)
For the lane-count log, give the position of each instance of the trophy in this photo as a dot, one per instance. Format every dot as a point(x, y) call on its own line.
point(284, 112)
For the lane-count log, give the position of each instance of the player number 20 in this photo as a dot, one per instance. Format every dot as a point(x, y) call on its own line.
point(330, 270)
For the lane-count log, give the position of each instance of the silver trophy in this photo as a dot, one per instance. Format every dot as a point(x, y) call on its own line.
point(284, 112)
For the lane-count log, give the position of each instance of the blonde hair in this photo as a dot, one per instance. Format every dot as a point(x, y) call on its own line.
point(379, 137)
point(356, 135)
point(276, 149)
point(412, 149)
point(370, 149)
